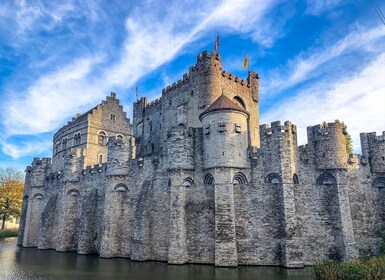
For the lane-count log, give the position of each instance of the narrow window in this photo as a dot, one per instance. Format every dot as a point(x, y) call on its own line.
point(102, 138)
point(221, 127)
point(207, 130)
point(100, 159)
point(113, 117)
point(238, 128)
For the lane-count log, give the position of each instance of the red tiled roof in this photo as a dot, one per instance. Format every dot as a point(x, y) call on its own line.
point(223, 103)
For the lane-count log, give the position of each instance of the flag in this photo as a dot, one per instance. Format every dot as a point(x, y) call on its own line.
point(246, 61)
point(216, 44)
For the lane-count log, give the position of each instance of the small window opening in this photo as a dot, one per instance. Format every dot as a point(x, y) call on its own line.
point(221, 127)
point(238, 128)
point(113, 117)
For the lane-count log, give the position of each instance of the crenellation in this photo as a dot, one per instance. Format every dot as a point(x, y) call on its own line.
point(196, 179)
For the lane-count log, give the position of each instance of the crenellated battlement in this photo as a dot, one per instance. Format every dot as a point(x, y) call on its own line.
point(327, 145)
point(95, 170)
point(277, 128)
point(373, 149)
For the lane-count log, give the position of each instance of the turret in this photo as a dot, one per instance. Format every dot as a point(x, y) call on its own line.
point(225, 134)
point(36, 173)
point(73, 165)
point(327, 144)
point(119, 153)
point(279, 147)
point(180, 148)
point(373, 148)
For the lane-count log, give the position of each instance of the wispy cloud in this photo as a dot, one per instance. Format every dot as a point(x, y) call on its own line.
point(53, 97)
point(319, 7)
point(155, 34)
point(309, 64)
point(357, 100)
point(25, 148)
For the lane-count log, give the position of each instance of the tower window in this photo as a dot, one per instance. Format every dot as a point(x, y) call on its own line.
point(221, 127)
point(100, 159)
point(238, 128)
point(113, 117)
point(207, 130)
point(102, 138)
point(64, 143)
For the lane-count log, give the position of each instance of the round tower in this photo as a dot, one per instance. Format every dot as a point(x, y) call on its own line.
point(180, 148)
point(329, 145)
point(225, 134)
point(119, 153)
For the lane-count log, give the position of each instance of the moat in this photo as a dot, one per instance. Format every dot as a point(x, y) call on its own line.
point(30, 263)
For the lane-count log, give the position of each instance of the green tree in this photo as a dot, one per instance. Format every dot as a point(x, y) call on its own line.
point(11, 194)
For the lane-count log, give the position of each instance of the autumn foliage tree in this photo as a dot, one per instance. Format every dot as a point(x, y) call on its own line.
point(11, 194)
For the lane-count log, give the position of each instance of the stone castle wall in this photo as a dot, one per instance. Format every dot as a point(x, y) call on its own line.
point(173, 190)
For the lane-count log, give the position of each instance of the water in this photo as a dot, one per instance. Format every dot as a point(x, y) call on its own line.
point(18, 263)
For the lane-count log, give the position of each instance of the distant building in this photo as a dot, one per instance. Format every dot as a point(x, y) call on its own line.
point(196, 179)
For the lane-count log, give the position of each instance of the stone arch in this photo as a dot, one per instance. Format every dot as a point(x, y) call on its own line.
point(73, 192)
point(379, 182)
point(240, 179)
point(208, 179)
point(120, 188)
point(47, 234)
point(23, 217)
point(68, 240)
point(188, 182)
point(141, 249)
point(239, 101)
point(295, 179)
point(273, 178)
point(326, 179)
point(38, 196)
point(33, 218)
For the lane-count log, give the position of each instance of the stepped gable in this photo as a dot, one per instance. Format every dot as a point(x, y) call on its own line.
point(223, 103)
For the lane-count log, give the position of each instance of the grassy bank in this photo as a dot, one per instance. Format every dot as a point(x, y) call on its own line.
point(8, 233)
point(369, 269)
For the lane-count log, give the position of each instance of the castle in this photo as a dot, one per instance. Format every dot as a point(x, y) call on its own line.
point(196, 179)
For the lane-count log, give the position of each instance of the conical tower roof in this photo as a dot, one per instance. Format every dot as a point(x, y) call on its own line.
point(223, 103)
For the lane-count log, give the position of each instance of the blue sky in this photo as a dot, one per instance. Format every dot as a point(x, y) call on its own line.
point(317, 60)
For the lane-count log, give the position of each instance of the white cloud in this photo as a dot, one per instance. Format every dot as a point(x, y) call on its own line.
point(307, 64)
point(25, 148)
point(318, 7)
point(358, 100)
point(54, 97)
point(156, 33)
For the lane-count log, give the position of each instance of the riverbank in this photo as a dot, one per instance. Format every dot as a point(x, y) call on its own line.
point(8, 233)
point(370, 269)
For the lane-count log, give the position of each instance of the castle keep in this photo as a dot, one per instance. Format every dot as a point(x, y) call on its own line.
point(196, 179)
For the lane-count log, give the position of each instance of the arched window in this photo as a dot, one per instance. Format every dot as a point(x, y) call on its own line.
point(120, 188)
point(379, 182)
point(100, 159)
point(208, 180)
point(64, 143)
point(239, 179)
point(119, 137)
point(239, 101)
point(326, 179)
point(77, 139)
point(188, 182)
point(273, 178)
point(102, 137)
point(295, 179)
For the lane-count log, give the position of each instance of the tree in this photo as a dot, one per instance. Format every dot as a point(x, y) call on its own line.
point(11, 194)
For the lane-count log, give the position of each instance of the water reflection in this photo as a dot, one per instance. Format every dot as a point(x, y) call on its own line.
point(30, 263)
